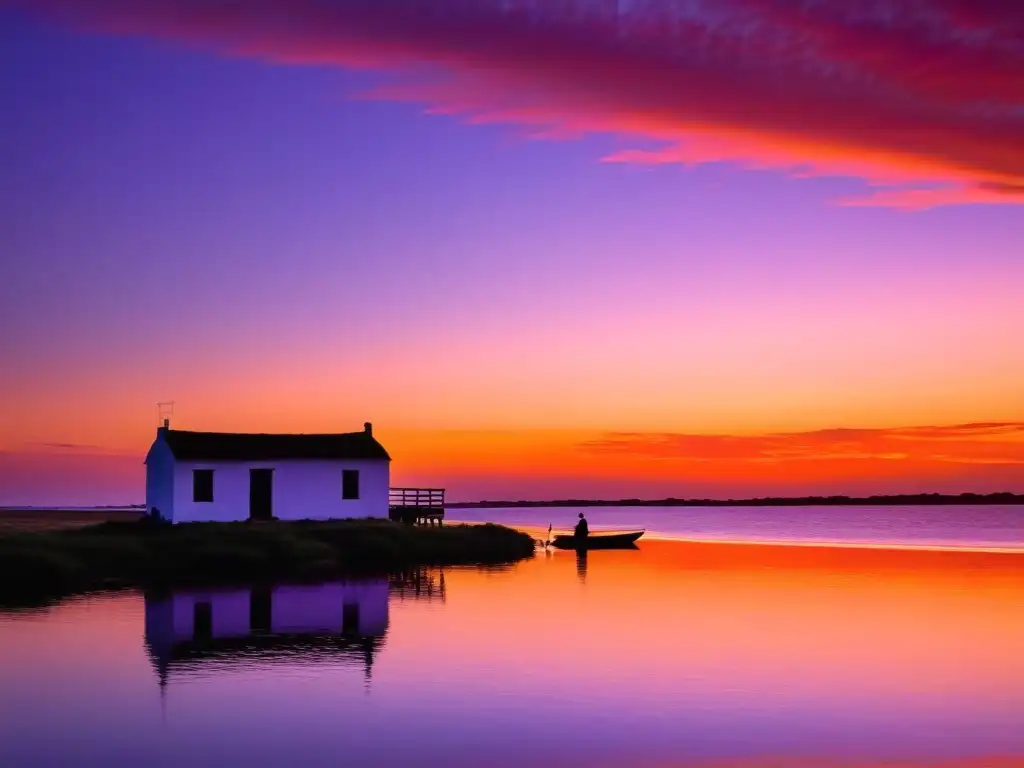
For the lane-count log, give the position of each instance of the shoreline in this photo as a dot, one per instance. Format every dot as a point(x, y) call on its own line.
point(1001, 498)
point(712, 555)
point(540, 532)
point(43, 564)
point(746, 557)
point(896, 500)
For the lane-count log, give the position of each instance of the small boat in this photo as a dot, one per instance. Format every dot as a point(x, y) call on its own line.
point(598, 540)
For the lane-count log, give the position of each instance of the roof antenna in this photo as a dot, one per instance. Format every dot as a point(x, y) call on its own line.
point(164, 413)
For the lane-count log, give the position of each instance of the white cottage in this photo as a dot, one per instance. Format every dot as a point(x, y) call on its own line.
point(228, 477)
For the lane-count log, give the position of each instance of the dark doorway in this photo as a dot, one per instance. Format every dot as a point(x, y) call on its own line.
point(202, 621)
point(260, 610)
point(350, 619)
point(261, 491)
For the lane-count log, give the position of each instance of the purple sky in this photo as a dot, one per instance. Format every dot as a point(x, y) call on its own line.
point(181, 223)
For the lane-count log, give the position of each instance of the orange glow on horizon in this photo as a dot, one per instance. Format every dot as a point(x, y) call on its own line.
point(546, 464)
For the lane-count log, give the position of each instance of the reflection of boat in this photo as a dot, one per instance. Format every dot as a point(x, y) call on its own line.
point(598, 540)
point(581, 564)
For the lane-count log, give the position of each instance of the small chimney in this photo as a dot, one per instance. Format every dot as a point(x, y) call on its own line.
point(368, 428)
point(167, 423)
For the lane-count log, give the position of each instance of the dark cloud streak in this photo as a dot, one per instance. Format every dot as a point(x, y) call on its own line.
point(925, 97)
point(66, 446)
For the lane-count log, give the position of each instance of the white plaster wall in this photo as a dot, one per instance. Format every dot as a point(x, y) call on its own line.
point(294, 609)
point(160, 621)
point(299, 609)
point(230, 613)
point(303, 490)
point(160, 479)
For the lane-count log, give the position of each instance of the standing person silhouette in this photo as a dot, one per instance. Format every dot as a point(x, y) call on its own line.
point(582, 528)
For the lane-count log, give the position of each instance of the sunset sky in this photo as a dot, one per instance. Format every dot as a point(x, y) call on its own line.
point(563, 248)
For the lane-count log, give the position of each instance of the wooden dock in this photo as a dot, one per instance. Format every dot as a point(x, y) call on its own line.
point(416, 506)
point(419, 584)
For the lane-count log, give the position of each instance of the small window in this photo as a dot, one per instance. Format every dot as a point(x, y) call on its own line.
point(350, 484)
point(202, 485)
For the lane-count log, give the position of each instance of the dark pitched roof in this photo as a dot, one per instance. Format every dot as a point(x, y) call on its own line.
point(227, 446)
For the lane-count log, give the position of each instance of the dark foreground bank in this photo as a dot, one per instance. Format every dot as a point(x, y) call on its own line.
point(143, 554)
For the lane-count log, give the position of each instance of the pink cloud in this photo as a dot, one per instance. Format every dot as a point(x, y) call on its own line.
point(921, 97)
point(957, 51)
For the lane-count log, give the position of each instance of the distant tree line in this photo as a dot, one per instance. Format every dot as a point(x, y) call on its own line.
point(769, 501)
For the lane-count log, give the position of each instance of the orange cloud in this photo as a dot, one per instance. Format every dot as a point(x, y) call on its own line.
point(539, 464)
point(988, 443)
point(546, 464)
point(923, 100)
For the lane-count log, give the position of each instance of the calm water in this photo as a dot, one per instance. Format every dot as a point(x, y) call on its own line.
point(953, 526)
point(715, 656)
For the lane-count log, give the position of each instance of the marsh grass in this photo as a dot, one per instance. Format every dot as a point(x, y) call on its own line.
point(146, 554)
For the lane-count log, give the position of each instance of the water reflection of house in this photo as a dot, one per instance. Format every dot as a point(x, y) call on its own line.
point(189, 630)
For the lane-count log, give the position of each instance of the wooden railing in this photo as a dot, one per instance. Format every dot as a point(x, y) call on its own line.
point(416, 497)
point(424, 506)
